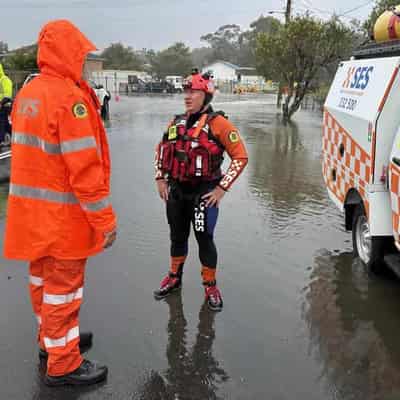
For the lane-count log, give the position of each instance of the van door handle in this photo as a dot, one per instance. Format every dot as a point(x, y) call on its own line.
point(396, 161)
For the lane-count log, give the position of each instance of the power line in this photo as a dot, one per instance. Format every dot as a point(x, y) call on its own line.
point(309, 5)
point(356, 8)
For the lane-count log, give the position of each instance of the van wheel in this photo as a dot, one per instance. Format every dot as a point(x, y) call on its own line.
point(370, 249)
point(105, 110)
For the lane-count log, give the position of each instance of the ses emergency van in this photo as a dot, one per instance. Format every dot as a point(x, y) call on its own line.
point(361, 149)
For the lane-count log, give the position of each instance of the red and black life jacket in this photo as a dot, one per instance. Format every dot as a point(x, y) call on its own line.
point(191, 154)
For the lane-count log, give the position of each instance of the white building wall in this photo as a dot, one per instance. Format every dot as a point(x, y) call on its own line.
point(252, 80)
point(221, 71)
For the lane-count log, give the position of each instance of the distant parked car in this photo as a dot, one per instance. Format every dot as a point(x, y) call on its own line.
point(136, 85)
point(103, 95)
point(176, 81)
point(160, 87)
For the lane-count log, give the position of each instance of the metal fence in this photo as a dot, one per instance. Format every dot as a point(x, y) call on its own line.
point(229, 86)
point(112, 84)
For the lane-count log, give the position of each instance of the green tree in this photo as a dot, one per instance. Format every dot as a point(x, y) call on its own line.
point(225, 43)
point(146, 57)
point(202, 56)
point(230, 43)
point(175, 60)
point(248, 40)
point(118, 56)
point(269, 25)
point(298, 51)
point(3, 47)
point(24, 59)
point(380, 7)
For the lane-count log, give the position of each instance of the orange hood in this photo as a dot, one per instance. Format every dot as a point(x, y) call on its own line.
point(62, 49)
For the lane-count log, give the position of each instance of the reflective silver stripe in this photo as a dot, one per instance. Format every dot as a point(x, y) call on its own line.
point(43, 194)
point(58, 299)
point(39, 319)
point(62, 342)
point(78, 144)
point(6, 154)
point(35, 280)
point(34, 141)
point(67, 146)
point(97, 205)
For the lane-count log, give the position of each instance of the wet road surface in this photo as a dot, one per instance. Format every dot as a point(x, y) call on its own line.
point(302, 319)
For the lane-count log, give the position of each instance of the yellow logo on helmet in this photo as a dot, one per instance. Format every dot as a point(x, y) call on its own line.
point(80, 110)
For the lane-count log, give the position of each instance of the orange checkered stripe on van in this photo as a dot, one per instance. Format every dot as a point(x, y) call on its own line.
point(395, 196)
point(347, 171)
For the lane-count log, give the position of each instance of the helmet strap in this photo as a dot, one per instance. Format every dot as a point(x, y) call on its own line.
point(207, 100)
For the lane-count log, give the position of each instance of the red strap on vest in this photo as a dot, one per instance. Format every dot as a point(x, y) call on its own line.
point(392, 26)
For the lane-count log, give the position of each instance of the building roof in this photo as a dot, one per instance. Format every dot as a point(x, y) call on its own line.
point(246, 70)
point(230, 65)
point(95, 57)
point(237, 68)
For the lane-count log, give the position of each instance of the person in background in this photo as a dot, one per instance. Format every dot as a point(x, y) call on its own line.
point(6, 94)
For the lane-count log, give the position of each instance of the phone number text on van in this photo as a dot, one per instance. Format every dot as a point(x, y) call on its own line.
point(347, 103)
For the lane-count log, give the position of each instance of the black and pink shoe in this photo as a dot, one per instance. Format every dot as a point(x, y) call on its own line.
point(213, 296)
point(169, 284)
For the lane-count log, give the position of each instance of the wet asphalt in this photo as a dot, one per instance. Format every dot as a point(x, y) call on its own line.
point(302, 318)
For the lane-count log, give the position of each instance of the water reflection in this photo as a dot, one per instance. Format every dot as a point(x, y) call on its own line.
point(191, 375)
point(3, 199)
point(354, 327)
point(284, 174)
point(5, 165)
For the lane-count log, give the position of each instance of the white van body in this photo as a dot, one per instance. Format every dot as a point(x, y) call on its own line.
point(361, 147)
point(176, 81)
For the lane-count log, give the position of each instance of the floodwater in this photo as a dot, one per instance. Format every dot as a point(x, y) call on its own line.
point(302, 319)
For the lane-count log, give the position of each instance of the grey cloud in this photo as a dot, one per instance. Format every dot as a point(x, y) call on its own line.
point(145, 23)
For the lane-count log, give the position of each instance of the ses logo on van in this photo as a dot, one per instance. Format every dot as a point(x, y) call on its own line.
point(358, 78)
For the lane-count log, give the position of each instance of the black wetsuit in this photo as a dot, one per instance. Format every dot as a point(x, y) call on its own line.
point(185, 207)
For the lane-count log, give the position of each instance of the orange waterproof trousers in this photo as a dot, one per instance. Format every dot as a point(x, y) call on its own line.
point(56, 288)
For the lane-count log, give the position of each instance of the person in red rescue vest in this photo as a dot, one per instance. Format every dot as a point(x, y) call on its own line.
point(190, 180)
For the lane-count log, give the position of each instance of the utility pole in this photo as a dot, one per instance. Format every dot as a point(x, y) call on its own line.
point(288, 11)
point(288, 14)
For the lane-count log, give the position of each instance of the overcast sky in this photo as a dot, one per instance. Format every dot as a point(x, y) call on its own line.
point(152, 23)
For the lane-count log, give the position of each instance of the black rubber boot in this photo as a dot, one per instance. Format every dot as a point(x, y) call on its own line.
point(169, 284)
point(88, 373)
point(213, 296)
point(85, 343)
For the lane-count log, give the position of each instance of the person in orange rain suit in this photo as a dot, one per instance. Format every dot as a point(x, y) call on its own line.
point(190, 181)
point(59, 211)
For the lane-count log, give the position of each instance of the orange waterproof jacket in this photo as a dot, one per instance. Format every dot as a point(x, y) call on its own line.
point(59, 203)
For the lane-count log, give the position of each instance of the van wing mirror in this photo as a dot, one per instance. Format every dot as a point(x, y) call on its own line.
point(396, 161)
